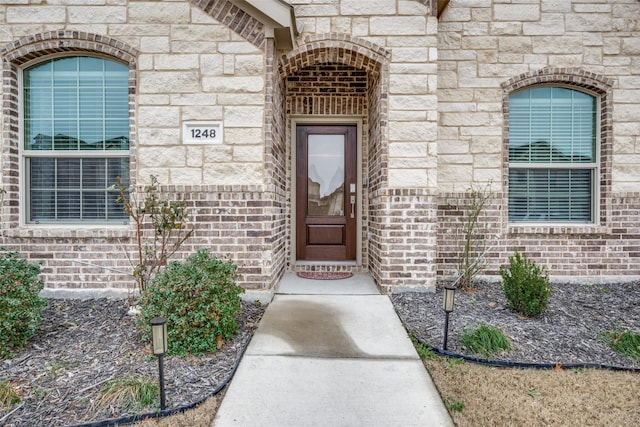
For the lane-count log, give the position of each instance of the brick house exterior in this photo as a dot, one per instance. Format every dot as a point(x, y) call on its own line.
point(426, 85)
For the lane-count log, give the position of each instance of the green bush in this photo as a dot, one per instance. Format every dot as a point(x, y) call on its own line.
point(199, 299)
point(525, 285)
point(20, 304)
point(486, 340)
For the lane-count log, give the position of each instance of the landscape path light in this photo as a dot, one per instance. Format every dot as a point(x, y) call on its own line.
point(159, 338)
point(447, 306)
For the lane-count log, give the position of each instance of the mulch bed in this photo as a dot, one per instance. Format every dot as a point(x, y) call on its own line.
point(566, 333)
point(82, 344)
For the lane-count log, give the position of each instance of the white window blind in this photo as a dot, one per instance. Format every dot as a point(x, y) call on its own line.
point(76, 139)
point(552, 155)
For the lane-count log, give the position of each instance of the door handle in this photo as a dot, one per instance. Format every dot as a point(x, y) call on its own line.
point(353, 204)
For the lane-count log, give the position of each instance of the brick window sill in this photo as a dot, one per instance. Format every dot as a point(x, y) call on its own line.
point(558, 229)
point(70, 231)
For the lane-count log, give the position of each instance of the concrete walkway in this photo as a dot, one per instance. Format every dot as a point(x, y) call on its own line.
point(331, 353)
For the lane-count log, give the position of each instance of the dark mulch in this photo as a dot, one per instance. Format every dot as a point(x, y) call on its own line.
point(566, 333)
point(82, 344)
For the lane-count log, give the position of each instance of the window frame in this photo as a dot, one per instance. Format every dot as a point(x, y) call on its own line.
point(24, 155)
point(595, 167)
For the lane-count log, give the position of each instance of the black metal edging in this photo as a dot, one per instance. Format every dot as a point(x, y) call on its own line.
point(525, 365)
point(113, 422)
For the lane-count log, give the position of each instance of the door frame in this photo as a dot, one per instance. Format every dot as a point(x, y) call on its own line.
point(325, 121)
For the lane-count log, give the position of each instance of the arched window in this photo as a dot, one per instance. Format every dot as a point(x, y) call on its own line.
point(553, 155)
point(75, 127)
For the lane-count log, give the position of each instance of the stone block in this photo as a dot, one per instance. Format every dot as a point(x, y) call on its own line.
point(158, 116)
point(212, 64)
point(249, 65)
point(405, 102)
point(31, 14)
point(155, 44)
point(408, 178)
point(399, 25)
point(586, 22)
point(195, 156)
point(238, 47)
point(241, 99)
point(169, 82)
point(233, 84)
point(465, 119)
point(236, 116)
point(516, 12)
point(409, 84)
point(217, 154)
point(550, 24)
point(631, 46)
point(185, 176)
point(236, 136)
point(233, 173)
point(161, 157)
point(453, 147)
point(566, 44)
point(158, 136)
point(369, 7)
point(410, 54)
point(209, 32)
point(407, 149)
point(176, 62)
point(412, 131)
point(248, 153)
point(96, 14)
point(165, 12)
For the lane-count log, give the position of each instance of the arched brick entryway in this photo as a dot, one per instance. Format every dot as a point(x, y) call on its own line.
point(335, 76)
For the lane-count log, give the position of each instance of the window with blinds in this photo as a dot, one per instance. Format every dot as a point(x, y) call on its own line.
point(552, 155)
point(76, 139)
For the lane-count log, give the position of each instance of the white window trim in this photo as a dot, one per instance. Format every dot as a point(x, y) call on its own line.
point(514, 226)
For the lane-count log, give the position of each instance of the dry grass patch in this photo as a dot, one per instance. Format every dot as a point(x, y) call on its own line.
point(485, 396)
point(200, 416)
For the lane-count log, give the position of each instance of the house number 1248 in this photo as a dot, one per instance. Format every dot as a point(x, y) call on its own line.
point(203, 133)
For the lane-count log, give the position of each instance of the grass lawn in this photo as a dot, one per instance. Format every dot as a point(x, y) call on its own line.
point(485, 396)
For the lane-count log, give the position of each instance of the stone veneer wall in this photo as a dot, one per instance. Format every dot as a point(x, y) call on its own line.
point(184, 66)
point(486, 50)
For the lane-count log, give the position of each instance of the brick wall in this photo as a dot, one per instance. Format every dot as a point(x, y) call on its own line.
point(592, 253)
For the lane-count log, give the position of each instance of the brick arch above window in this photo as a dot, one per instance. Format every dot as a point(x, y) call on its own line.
point(580, 80)
point(575, 77)
point(38, 45)
point(338, 49)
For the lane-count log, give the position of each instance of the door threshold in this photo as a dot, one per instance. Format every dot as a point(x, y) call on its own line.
point(327, 263)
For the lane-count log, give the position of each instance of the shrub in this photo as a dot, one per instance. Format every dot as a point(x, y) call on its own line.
point(20, 304)
point(199, 299)
point(8, 395)
point(525, 285)
point(626, 343)
point(128, 393)
point(486, 340)
point(167, 218)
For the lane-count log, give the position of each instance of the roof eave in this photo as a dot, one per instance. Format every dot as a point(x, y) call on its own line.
point(278, 17)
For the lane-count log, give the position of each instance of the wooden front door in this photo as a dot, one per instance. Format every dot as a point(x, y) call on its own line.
point(326, 192)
